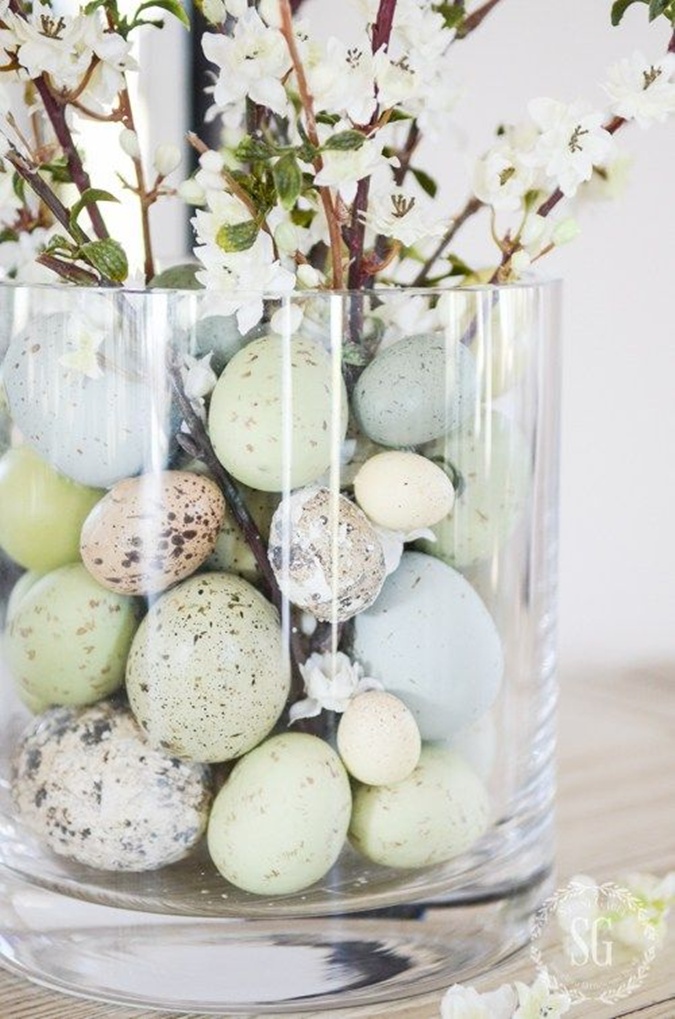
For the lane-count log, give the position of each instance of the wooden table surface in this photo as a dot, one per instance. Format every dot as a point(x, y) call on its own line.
point(616, 814)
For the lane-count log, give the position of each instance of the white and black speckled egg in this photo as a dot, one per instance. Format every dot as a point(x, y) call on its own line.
point(152, 531)
point(306, 536)
point(208, 675)
point(93, 430)
point(415, 390)
point(90, 786)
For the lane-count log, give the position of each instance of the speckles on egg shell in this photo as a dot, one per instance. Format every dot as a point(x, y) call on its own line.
point(209, 699)
point(89, 785)
point(152, 531)
point(92, 430)
point(303, 560)
point(415, 390)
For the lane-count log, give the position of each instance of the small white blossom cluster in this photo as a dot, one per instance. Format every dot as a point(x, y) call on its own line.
point(518, 1002)
point(563, 146)
point(331, 682)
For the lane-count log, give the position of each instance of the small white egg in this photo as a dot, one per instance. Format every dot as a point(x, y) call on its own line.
point(378, 739)
point(280, 821)
point(403, 491)
point(437, 813)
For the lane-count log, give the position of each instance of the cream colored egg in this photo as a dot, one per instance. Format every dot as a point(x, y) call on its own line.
point(378, 739)
point(434, 815)
point(403, 491)
point(271, 414)
point(280, 821)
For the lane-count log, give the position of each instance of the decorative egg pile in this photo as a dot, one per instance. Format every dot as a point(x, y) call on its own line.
point(146, 635)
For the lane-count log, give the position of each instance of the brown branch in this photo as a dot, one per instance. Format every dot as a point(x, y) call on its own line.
point(472, 22)
point(37, 184)
point(313, 135)
point(470, 209)
point(383, 24)
point(145, 197)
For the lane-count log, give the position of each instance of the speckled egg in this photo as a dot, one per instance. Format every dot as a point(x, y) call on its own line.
point(430, 641)
point(494, 471)
point(438, 812)
point(403, 491)
point(152, 531)
point(262, 439)
point(415, 390)
point(90, 786)
point(280, 821)
point(68, 639)
point(305, 537)
point(92, 429)
point(378, 739)
point(208, 675)
point(41, 512)
point(23, 585)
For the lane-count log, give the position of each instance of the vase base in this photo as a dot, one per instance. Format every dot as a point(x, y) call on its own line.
point(216, 967)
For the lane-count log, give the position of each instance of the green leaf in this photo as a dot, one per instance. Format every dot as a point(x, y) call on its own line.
point(108, 257)
point(237, 236)
point(19, 187)
point(619, 8)
point(287, 180)
point(427, 183)
point(172, 6)
point(345, 141)
point(58, 171)
point(89, 197)
point(453, 13)
point(250, 149)
point(8, 235)
point(302, 217)
point(657, 8)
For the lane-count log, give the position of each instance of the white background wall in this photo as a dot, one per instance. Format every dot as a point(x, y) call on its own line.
point(618, 450)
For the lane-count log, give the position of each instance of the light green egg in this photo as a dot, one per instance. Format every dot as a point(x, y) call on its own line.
point(232, 553)
point(280, 821)
point(493, 467)
point(437, 813)
point(23, 585)
point(41, 511)
point(68, 639)
point(271, 418)
point(208, 675)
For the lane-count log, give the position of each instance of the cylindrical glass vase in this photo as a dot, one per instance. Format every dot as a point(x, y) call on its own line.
point(277, 668)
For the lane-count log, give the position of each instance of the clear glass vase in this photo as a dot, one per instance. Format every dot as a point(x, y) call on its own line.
point(278, 654)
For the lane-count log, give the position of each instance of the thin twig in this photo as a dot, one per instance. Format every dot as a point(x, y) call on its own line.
point(470, 209)
point(313, 135)
point(145, 197)
point(475, 19)
point(42, 189)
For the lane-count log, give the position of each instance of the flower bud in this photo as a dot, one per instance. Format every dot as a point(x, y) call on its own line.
point(191, 192)
point(129, 143)
point(286, 238)
point(211, 161)
point(565, 231)
point(309, 277)
point(213, 10)
point(167, 159)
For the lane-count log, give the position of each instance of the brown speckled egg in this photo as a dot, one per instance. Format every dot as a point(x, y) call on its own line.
point(305, 538)
point(151, 531)
point(208, 675)
point(90, 786)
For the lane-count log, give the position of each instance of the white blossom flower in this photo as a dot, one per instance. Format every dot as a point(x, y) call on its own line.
point(341, 80)
point(331, 682)
point(65, 48)
point(608, 182)
point(461, 1002)
point(501, 179)
point(239, 280)
point(344, 169)
point(572, 141)
point(642, 90)
point(393, 543)
point(539, 1002)
point(251, 62)
point(397, 80)
point(656, 897)
point(403, 216)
